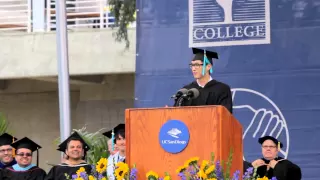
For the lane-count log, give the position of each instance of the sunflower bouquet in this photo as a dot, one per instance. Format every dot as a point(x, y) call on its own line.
point(98, 172)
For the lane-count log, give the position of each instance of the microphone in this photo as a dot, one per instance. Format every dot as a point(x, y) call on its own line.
point(180, 93)
point(193, 93)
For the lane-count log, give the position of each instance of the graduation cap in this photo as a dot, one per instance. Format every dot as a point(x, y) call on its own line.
point(28, 144)
point(110, 134)
point(75, 136)
point(115, 130)
point(262, 139)
point(7, 139)
point(204, 56)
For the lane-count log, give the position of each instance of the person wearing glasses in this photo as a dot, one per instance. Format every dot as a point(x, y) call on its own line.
point(24, 169)
point(212, 92)
point(272, 165)
point(6, 151)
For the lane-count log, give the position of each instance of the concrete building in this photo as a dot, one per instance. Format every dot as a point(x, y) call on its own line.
point(102, 83)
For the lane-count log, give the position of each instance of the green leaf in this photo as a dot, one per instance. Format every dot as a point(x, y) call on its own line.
point(4, 124)
point(212, 158)
point(228, 164)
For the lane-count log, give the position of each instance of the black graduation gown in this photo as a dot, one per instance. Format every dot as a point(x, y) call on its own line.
point(58, 172)
point(246, 166)
point(213, 93)
point(1, 174)
point(3, 166)
point(284, 170)
point(34, 173)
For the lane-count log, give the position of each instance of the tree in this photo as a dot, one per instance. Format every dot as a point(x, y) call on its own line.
point(124, 14)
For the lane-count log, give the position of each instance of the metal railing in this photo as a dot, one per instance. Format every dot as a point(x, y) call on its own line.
point(81, 14)
point(18, 15)
point(15, 15)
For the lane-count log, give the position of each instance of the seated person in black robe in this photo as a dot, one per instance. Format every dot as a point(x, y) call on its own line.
point(120, 142)
point(6, 151)
point(75, 149)
point(24, 169)
point(273, 166)
point(211, 92)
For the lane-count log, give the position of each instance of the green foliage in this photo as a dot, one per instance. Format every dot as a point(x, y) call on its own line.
point(97, 142)
point(228, 164)
point(4, 124)
point(123, 11)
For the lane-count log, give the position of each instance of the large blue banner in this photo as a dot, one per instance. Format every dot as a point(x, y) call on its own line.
point(269, 55)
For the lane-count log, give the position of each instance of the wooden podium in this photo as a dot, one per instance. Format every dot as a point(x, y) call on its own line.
point(211, 129)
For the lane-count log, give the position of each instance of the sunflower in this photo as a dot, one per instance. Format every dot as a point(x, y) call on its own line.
point(121, 171)
point(79, 178)
point(102, 165)
point(81, 170)
point(191, 161)
point(204, 164)
point(91, 177)
point(210, 169)
point(119, 164)
point(212, 179)
point(181, 169)
point(264, 178)
point(201, 174)
point(167, 178)
point(152, 174)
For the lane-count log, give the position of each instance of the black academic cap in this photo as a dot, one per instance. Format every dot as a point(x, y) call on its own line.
point(115, 130)
point(75, 136)
point(28, 144)
point(199, 55)
point(262, 139)
point(7, 139)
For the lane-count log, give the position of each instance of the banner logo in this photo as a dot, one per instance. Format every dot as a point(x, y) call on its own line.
point(260, 116)
point(228, 22)
point(174, 136)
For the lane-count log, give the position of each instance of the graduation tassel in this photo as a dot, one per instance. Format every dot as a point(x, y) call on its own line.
point(38, 157)
point(278, 145)
point(112, 141)
point(13, 150)
point(204, 63)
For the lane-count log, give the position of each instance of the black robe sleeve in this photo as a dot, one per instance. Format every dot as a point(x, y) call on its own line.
point(224, 97)
point(286, 170)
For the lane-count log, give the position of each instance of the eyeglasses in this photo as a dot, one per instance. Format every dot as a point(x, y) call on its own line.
point(195, 65)
point(271, 147)
point(6, 150)
point(24, 154)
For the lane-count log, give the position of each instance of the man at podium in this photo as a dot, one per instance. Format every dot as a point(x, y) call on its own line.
point(211, 92)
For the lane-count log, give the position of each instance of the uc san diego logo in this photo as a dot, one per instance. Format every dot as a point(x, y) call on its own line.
point(174, 136)
point(228, 22)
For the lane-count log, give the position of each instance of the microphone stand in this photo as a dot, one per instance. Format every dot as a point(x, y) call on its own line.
point(180, 101)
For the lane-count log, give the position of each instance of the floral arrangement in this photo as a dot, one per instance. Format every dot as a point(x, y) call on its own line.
point(192, 169)
point(207, 170)
point(99, 172)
